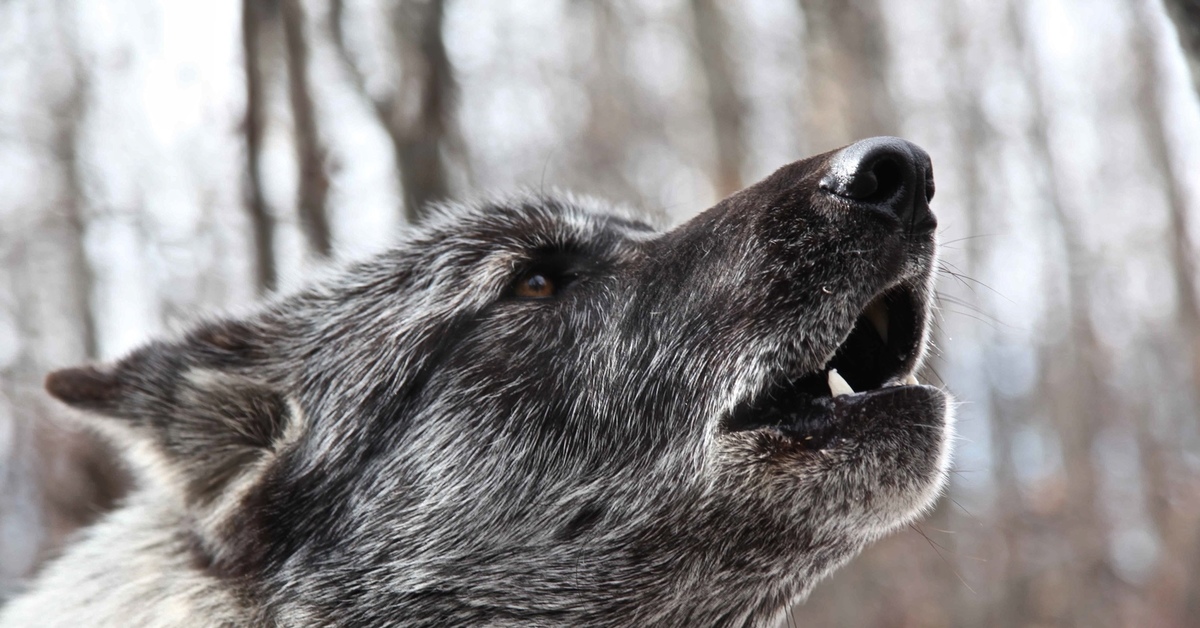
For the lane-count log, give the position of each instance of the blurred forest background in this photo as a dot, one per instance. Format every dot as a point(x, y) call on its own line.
point(160, 159)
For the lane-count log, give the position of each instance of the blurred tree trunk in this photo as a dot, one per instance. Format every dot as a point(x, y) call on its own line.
point(1155, 459)
point(262, 224)
point(69, 116)
point(1186, 15)
point(427, 69)
point(313, 185)
point(613, 123)
point(416, 115)
point(974, 137)
point(848, 97)
point(1150, 111)
point(712, 38)
point(76, 471)
point(1073, 386)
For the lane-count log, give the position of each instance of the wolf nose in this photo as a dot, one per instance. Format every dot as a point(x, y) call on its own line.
point(886, 174)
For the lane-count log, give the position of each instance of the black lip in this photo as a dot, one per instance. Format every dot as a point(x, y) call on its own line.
point(803, 407)
point(823, 422)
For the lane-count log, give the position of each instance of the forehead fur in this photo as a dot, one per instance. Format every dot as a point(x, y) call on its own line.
point(566, 215)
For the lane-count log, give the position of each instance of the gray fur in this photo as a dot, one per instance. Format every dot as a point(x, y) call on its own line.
point(404, 442)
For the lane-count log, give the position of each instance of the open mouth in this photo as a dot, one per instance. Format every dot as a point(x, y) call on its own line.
point(877, 358)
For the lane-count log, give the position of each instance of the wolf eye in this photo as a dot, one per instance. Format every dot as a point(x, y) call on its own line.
point(536, 286)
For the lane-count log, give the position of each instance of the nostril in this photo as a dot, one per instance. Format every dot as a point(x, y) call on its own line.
point(874, 184)
point(885, 174)
point(872, 170)
point(889, 177)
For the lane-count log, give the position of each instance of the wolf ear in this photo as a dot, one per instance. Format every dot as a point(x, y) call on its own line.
point(84, 387)
point(194, 401)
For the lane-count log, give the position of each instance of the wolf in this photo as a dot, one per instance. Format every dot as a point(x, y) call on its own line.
point(535, 410)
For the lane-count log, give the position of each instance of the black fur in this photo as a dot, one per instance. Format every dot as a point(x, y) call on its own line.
point(412, 442)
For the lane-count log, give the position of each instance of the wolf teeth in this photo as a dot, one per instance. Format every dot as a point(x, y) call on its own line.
point(838, 385)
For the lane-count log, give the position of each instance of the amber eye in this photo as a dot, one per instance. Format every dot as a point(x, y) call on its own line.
point(536, 286)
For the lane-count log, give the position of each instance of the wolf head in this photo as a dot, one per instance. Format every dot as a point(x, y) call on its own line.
point(540, 410)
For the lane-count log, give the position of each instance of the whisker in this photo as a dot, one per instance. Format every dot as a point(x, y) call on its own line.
point(938, 550)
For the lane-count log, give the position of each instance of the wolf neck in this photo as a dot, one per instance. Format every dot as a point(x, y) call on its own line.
point(125, 572)
point(598, 607)
point(554, 591)
point(136, 567)
point(645, 571)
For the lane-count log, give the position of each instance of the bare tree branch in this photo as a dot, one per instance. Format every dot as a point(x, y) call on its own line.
point(382, 105)
point(418, 140)
point(313, 185)
point(262, 224)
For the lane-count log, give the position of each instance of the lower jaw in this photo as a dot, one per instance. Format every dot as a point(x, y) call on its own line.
point(817, 421)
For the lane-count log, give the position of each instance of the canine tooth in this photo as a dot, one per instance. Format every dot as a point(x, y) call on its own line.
point(911, 380)
point(877, 313)
point(838, 385)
